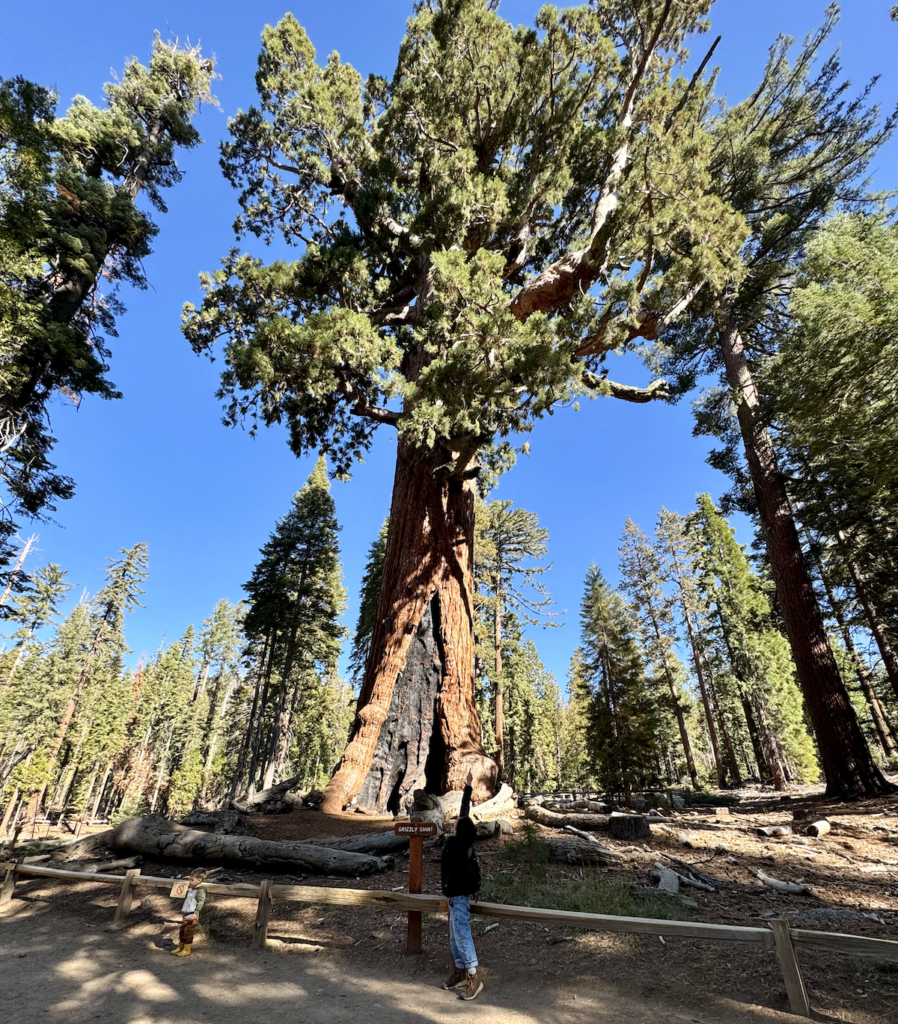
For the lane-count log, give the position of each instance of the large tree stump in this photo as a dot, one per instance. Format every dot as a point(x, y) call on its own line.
point(629, 827)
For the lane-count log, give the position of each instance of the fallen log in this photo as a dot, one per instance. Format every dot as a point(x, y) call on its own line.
point(551, 819)
point(213, 821)
point(775, 883)
point(377, 843)
point(93, 867)
point(818, 828)
point(76, 849)
point(270, 795)
point(576, 851)
point(588, 836)
point(154, 836)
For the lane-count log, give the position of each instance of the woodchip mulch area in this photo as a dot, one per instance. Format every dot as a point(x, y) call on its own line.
point(852, 875)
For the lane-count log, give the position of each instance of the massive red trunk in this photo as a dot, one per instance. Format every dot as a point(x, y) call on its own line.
point(417, 724)
point(845, 757)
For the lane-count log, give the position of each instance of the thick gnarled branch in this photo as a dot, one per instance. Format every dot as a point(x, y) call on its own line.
point(626, 392)
point(581, 269)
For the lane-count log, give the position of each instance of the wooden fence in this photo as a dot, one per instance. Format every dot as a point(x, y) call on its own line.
point(780, 937)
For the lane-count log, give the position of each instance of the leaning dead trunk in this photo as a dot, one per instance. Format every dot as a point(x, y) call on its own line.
point(417, 725)
point(848, 766)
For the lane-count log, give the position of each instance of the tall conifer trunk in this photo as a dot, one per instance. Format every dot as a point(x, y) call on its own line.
point(880, 722)
point(417, 723)
point(887, 652)
point(848, 766)
point(497, 686)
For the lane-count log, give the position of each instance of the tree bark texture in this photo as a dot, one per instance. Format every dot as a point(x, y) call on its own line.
point(154, 836)
point(848, 766)
point(880, 722)
point(417, 699)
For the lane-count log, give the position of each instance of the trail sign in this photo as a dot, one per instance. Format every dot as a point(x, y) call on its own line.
point(179, 889)
point(416, 831)
point(415, 828)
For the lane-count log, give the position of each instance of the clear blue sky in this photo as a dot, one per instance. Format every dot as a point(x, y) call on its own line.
point(158, 466)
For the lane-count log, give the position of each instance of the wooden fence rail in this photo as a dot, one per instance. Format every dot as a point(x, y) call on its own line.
point(780, 937)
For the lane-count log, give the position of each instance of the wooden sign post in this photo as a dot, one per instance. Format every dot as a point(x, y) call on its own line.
point(416, 831)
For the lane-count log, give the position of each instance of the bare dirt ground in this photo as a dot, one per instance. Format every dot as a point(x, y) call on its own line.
point(55, 966)
point(334, 963)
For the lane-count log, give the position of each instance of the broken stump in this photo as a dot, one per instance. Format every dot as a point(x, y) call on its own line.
point(629, 827)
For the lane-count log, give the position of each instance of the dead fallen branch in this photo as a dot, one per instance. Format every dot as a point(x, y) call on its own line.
point(690, 880)
point(576, 851)
point(775, 883)
point(774, 830)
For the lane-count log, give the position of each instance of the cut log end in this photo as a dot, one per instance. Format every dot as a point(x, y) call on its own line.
point(629, 827)
point(818, 828)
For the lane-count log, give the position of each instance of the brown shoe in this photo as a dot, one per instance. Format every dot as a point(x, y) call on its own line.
point(473, 987)
point(456, 978)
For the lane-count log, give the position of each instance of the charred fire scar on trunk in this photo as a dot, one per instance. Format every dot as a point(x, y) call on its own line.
point(411, 751)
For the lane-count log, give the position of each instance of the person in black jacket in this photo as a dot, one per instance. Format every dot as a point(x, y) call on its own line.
point(461, 880)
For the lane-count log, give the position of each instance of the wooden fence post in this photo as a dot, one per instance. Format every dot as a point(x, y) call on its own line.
point(785, 951)
point(260, 928)
point(9, 882)
point(124, 899)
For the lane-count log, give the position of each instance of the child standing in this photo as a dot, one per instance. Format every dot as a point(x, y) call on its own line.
point(461, 880)
point(190, 911)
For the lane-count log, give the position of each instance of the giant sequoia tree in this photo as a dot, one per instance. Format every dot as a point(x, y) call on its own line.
point(475, 234)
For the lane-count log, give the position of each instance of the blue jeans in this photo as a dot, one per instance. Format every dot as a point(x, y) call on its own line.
point(461, 943)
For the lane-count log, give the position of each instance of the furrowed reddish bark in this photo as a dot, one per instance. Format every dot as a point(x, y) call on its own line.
point(417, 724)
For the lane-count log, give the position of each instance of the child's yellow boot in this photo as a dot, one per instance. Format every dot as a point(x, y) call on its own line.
point(177, 952)
point(184, 950)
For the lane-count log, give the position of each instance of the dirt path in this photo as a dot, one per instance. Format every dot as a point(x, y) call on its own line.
point(54, 967)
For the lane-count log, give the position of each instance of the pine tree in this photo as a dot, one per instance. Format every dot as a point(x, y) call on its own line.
point(35, 608)
point(758, 652)
point(70, 233)
point(454, 221)
point(832, 383)
point(678, 571)
point(295, 601)
point(783, 158)
point(622, 722)
point(221, 643)
point(372, 577)
point(107, 645)
point(509, 544)
point(642, 581)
